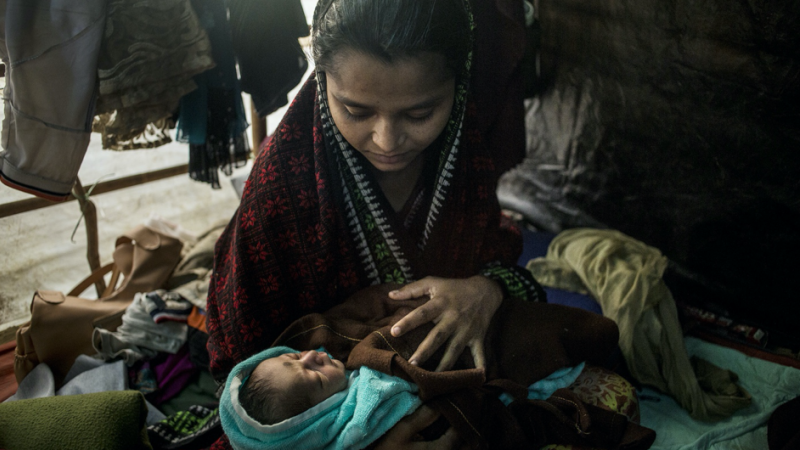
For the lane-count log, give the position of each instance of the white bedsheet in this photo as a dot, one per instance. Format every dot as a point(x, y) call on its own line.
point(770, 385)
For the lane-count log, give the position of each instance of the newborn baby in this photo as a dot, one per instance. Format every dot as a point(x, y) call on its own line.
point(286, 385)
point(282, 398)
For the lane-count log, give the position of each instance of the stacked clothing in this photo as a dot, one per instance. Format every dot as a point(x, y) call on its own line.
point(140, 336)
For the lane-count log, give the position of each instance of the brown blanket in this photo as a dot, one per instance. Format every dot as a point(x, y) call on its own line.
point(525, 343)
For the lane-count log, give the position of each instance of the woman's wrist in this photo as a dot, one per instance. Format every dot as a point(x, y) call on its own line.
point(493, 290)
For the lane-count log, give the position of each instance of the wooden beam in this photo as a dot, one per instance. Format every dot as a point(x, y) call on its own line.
point(258, 129)
point(31, 204)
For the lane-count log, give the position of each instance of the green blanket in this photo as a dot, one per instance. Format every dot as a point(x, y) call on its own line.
point(104, 420)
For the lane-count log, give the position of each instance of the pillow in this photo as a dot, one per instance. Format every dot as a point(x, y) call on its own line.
point(104, 420)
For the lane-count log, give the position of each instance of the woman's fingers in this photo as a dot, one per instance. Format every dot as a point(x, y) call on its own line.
point(454, 349)
point(435, 339)
point(413, 290)
point(478, 355)
point(461, 310)
point(421, 315)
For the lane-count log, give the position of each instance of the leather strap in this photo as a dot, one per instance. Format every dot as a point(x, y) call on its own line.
point(91, 279)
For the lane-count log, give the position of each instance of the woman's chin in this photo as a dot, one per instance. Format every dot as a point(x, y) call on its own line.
point(384, 165)
point(393, 164)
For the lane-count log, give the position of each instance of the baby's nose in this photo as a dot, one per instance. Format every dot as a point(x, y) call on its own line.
point(313, 357)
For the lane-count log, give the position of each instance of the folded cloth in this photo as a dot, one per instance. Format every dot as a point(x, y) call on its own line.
point(191, 277)
point(625, 276)
point(166, 306)
point(140, 336)
point(173, 373)
point(105, 420)
point(372, 403)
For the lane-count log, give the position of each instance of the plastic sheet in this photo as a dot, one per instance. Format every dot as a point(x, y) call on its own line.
point(678, 123)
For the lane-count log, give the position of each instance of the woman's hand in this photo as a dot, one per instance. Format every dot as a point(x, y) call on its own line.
point(405, 434)
point(461, 309)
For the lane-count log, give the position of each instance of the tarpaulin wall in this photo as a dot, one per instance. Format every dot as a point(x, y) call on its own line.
point(678, 123)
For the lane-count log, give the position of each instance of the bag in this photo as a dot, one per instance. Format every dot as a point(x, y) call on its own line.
point(61, 325)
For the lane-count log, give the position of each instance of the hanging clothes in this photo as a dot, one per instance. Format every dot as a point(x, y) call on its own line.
point(271, 60)
point(212, 119)
point(50, 55)
point(149, 54)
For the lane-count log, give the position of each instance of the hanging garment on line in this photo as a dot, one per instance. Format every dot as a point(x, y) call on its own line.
point(212, 118)
point(271, 61)
point(149, 54)
point(50, 56)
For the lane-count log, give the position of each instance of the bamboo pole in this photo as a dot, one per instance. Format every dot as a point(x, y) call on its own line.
point(92, 240)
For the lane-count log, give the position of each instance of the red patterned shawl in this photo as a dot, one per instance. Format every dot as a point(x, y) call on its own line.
point(288, 251)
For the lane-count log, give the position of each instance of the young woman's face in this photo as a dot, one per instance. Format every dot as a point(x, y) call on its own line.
point(390, 112)
point(310, 373)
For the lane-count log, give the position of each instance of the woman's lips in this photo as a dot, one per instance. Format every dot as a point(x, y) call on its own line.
point(390, 159)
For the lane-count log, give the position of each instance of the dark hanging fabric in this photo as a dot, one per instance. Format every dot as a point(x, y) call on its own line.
point(497, 80)
point(223, 149)
point(148, 59)
point(271, 61)
point(212, 118)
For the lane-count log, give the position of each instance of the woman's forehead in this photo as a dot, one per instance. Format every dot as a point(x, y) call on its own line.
point(407, 82)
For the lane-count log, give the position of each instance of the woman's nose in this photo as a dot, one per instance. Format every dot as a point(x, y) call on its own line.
point(388, 136)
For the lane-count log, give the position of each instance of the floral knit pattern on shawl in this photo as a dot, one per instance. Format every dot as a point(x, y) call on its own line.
point(289, 250)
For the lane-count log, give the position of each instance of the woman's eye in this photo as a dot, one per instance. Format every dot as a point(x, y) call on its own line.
point(420, 117)
point(356, 116)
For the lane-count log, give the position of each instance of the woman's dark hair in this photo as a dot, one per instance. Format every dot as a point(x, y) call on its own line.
point(391, 29)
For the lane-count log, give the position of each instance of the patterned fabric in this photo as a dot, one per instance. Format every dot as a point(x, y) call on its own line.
point(606, 389)
point(149, 53)
point(515, 281)
point(197, 426)
point(313, 226)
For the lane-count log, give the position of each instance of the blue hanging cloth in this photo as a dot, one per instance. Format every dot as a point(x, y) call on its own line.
point(212, 118)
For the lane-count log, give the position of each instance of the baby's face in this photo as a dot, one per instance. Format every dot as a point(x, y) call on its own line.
point(310, 373)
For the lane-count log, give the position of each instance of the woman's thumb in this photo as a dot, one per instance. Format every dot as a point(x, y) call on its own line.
point(412, 290)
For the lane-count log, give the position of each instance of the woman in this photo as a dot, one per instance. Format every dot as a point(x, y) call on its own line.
point(377, 173)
